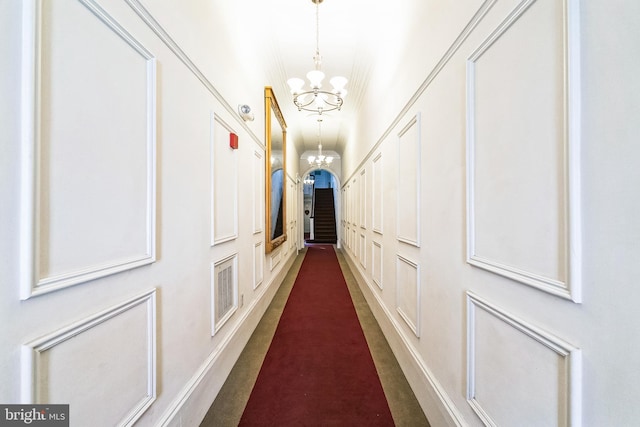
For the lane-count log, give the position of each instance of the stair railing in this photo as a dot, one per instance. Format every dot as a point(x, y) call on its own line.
point(313, 212)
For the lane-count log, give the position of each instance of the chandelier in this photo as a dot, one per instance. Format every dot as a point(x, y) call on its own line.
point(316, 99)
point(320, 160)
point(309, 180)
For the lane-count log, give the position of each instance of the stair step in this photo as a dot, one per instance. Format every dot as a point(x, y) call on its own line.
point(324, 217)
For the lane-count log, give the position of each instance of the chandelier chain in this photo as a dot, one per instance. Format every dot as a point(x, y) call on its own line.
point(320, 136)
point(317, 59)
point(320, 160)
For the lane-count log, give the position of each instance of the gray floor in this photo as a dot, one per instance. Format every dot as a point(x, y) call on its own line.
point(230, 402)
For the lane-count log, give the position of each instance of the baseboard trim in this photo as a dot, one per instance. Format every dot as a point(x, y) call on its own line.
point(433, 399)
point(196, 397)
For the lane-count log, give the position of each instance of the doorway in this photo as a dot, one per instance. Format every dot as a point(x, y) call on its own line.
point(320, 187)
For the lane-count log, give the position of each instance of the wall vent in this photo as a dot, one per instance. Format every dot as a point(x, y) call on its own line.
point(224, 291)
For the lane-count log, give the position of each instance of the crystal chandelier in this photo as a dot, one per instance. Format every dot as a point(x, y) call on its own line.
point(320, 160)
point(309, 180)
point(315, 99)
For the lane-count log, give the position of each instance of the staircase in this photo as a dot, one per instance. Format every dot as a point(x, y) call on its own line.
point(324, 224)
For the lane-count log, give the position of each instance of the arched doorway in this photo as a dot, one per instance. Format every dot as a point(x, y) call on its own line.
point(327, 180)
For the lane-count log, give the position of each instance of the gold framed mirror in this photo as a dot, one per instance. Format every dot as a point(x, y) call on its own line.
point(275, 172)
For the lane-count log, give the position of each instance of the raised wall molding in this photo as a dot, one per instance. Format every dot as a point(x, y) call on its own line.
point(354, 240)
point(258, 263)
point(355, 202)
point(409, 177)
point(32, 280)
point(275, 258)
point(347, 204)
point(292, 204)
point(224, 184)
point(364, 191)
point(377, 261)
point(567, 284)
point(408, 293)
point(566, 377)
point(377, 192)
point(258, 192)
point(35, 373)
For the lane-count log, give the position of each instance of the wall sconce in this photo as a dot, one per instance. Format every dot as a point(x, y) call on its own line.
point(245, 113)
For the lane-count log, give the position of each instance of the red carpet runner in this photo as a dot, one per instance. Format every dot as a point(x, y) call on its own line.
point(318, 370)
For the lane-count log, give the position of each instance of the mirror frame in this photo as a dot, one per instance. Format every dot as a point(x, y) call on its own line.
point(271, 106)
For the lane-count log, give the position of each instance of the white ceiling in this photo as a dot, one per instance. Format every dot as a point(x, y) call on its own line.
point(282, 35)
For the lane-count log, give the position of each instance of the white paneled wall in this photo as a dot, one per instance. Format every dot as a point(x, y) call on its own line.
point(481, 272)
point(94, 216)
point(118, 178)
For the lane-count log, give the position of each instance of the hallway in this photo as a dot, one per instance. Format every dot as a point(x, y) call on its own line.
point(484, 167)
point(230, 403)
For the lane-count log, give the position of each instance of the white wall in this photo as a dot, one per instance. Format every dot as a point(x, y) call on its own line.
point(120, 196)
point(492, 221)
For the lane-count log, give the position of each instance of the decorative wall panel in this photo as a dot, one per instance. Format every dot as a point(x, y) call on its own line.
point(354, 240)
point(275, 259)
point(378, 199)
point(88, 147)
point(347, 204)
point(258, 264)
point(363, 199)
point(408, 292)
point(118, 344)
point(363, 251)
point(348, 236)
point(355, 197)
point(523, 170)
point(224, 183)
point(292, 213)
point(408, 211)
point(377, 259)
point(352, 203)
point(519, 372)
point(258, 192)
point(343, 207)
